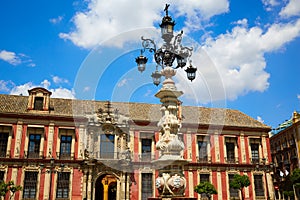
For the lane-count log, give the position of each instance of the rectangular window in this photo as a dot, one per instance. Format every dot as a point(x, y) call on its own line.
point(146, 149)
point(204, 178)
point(230, 152)
point(29, 189)
point(107, 146)
point(3, 144)
point(146, 185)
point(63, 183)
point(65, 147)
point(255, 152)
point(1, 176)
point(258, 185)
point(34, 145)
point(202, 149)
point(38, 103)
point(233, 192)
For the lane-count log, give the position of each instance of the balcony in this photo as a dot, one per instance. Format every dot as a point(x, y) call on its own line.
point(292, 142)
point(205, 159)
point(33, 154)
point(2, 154)
point(65, 155)
point(284, 145)
point(105, 155)
point(146, 157)
point(255, 160)
point(278, 148)
point(232, 160)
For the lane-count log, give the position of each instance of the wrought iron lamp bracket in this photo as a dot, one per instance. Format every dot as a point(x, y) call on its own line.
point(148, 44)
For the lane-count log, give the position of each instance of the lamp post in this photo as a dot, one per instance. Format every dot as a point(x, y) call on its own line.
point(170, 181)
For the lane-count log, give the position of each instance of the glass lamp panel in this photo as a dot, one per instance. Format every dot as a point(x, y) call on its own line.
point(142, 67)
point(170, 28)
point(181, 61)
point(156, 76)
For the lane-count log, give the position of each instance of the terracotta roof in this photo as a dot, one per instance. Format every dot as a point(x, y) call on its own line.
point(12, 104)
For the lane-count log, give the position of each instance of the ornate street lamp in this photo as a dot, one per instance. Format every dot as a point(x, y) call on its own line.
point(156, 76)
point(141, 61)
point(170, 181)
point(170, 51)
point(191, 72)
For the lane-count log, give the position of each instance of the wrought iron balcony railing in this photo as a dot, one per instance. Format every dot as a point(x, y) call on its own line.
point(232, 160)
point(205, 159)
point(146, 157)
point(33, 154)
point(255, 160)
point(65, 155)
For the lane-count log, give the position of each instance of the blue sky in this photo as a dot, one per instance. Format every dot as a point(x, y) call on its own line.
point(246, 52)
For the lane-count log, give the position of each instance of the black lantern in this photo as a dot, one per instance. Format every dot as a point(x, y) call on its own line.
point(167, 26)
point(181, 60)
point(141, 62)
point(170, 50)
point(156, 76)
point(191, 72)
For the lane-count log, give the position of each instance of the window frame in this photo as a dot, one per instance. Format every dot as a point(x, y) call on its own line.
point(65, 150)
point(146, 153)
point(38, 103)
point(30, 184)
point(259, 185)
point(233, 193)
point(34, 145)
point(146, 185)
point(107, 146)
point(3, 143)
point(63, 185)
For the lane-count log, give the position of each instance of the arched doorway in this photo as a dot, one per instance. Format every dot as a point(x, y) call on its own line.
point(106, 187)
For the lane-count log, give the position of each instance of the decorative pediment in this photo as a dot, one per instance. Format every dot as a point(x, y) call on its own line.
point(39, 99)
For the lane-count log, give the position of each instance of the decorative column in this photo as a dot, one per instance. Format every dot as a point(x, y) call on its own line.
point(170, 181)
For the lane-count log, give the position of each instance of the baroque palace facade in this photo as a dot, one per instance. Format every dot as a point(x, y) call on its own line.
point(95, 150)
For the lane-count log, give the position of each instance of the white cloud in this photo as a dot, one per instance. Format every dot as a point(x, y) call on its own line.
point(45, 83)
point(56, 20)
point(242, 22)
point(57, 80)
point(87, 88)
point(22, 89)
point(56, 92)
point(258, 118)
point(62, 93)
point(233, 64)
point(15, 59)
point(105, 19)
point(10, 57)
point(5, 85)
point(123, 82)
point(298, 96)
point(291, 9)
point(269, 4)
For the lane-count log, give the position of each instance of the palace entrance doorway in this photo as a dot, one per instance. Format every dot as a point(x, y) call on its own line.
point(106, 187)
